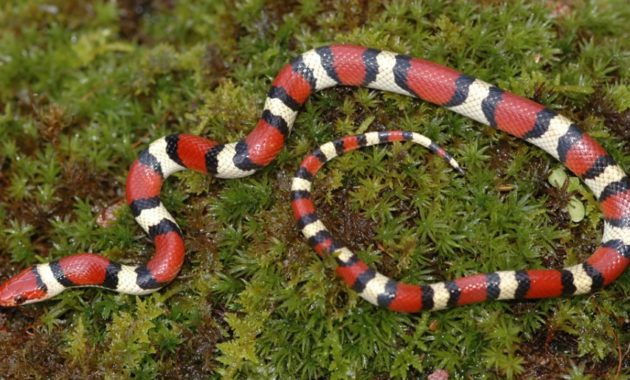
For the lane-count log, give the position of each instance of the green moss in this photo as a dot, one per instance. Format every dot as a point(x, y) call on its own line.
point(84, 86)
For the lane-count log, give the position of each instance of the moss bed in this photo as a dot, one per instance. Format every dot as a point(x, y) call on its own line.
point(86, 85)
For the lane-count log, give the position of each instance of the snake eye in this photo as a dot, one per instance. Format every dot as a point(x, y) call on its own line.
point(19, 299)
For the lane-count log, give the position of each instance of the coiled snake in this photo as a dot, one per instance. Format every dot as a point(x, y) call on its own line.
point(355, 66)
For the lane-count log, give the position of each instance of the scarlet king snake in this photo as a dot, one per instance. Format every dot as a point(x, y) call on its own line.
point(355, 66)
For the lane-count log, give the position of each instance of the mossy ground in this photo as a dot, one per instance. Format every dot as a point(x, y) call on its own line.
point(84, 86)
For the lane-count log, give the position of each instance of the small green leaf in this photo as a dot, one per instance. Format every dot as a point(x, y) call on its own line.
point(576, 210)
point(576, 89)
point(557, 178)
point(365, 124)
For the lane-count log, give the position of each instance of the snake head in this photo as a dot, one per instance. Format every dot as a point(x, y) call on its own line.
point(25, 287)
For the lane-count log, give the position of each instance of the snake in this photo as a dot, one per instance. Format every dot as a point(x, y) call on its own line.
point(350, 65)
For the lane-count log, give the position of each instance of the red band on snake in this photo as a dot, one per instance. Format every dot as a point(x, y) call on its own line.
point(355, 66)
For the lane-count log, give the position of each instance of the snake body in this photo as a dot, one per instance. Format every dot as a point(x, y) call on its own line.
point(349, 65)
